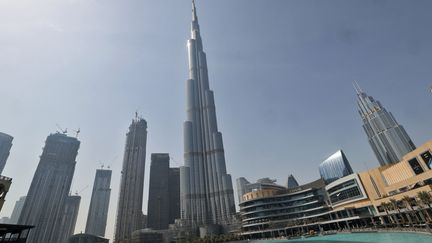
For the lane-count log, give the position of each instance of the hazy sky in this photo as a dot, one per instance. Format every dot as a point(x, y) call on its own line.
point(282, 73)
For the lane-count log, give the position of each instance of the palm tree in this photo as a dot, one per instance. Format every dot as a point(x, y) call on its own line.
point(409, 209)
point(395, 206)
point(386, 206)
point(426, 199)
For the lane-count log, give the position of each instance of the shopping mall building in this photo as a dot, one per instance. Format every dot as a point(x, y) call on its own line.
point(384, 196)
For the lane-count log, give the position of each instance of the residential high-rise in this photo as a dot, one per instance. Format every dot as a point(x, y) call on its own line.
point(389, 140)
point(66, 225)
point(98, 211)
point(129, 209)
point(206, 188)
point(17, 210)
point(334, 167)
point(45, 203)
point(5, 146)
point(164, 193)
point(291, 182)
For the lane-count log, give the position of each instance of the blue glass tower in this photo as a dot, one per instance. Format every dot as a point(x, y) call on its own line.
point(334, 167)
point(291, 182)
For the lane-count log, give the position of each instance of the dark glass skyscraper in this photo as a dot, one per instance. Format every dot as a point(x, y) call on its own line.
point(174, 194)
point(389, 140)
point(158, 201)
point(46, 199)
point(98, 211)
point(164, 193)
point(334, 167)
point(129, 209)
point(5, 146)
point(206, 187)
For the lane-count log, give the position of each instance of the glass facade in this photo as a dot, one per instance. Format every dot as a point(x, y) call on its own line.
point(334, 167)
point(345, 191)
point(427, 158)
point(415, 166)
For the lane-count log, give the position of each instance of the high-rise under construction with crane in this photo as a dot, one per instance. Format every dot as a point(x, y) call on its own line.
point(47, 199)
point(129, 209)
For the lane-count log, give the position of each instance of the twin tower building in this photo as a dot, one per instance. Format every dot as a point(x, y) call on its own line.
point(201, 190)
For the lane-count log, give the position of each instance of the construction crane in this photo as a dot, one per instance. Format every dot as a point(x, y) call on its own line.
point(61, 130)
point(79, 192)
point(77, 132)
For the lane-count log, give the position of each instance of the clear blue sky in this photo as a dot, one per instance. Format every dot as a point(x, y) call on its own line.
point(282, 73)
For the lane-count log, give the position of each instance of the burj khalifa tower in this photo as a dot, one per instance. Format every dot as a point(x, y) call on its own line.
point(205, 187)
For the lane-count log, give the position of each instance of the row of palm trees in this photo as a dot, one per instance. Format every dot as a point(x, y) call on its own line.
point(212, 239)
point(423, 201)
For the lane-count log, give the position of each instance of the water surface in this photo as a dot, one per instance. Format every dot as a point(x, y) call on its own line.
point(363, 238)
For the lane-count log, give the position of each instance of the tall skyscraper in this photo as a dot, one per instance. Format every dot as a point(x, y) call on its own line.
point(66, 225)
point(389, 140)
point(129, 209)
point(45, 203)
point(291, 182)
point(17, 210)
point(98, 211)
point(164, 193)
point(334, 167)
point(5, 146)
point(206, 188)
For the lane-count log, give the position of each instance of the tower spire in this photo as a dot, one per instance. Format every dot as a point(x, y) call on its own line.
point(357, 87)
point(194, 15)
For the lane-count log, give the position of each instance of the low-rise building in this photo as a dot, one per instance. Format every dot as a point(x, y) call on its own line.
point(244, 186)
point(271, 212)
